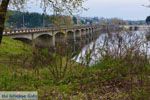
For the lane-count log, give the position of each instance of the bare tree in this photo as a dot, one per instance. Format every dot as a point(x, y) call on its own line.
point(3, 10)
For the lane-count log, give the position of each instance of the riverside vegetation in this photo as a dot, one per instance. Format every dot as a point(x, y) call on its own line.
point(57, 77)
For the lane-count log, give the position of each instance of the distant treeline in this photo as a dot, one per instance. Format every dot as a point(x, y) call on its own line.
point(16, 19)
point(140, 22)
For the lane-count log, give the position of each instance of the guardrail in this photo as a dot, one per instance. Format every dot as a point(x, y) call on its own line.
point(34, 30)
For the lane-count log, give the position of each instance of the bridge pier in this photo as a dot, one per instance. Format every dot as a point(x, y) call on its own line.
point(53, 40)
point(81, 35)
point(87, 39)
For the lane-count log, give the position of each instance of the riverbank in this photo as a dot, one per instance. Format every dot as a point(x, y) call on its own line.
point(60, 78)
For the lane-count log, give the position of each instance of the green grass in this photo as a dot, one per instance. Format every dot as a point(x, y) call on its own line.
point(13, 47)
point(14, 77)
point(79, 82)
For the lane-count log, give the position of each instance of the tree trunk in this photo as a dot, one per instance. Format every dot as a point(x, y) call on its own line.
point(3, 11)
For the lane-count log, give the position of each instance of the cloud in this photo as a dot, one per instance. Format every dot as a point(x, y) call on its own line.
point(126, 9)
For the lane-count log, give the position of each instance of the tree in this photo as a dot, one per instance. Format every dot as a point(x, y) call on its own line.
point(117, 21)
point(75, 21)
point(3, 10)
point(83, 22)
point(148, 20)
point(58, 7)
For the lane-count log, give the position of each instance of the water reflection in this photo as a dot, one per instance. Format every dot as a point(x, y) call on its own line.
point(115, 45)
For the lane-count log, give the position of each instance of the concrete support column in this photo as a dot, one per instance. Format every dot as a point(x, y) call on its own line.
point(32, 36)
point(54, 41)
point(89, 36)
point(74, 37)
point(74, 41)
point(66, 35)
point(92, 36)
point(80, 39)
point(33, 40)
point(85, 32)
point(80, 33)
point(83, 37)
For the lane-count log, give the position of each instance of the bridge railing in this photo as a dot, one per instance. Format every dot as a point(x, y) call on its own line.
point(18, 31)
point(33, 30)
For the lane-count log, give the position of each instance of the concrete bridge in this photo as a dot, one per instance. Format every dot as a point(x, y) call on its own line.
point(53, 35)
point(136, 27)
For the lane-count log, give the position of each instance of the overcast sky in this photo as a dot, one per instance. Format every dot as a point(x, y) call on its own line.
point(124, 9)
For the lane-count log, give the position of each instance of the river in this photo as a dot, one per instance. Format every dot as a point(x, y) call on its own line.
point(115, 44)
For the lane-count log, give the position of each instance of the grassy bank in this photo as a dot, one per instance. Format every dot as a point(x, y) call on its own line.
point(10, 49)
point(13, 47)
point(62, 79)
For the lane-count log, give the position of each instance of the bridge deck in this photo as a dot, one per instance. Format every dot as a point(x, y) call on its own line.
point(36, 30)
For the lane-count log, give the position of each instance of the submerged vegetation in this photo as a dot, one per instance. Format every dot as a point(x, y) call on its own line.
point(57, 77)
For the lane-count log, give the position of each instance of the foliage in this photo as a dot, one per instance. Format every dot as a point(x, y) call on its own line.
point(34, 20)
point(148, 20)
point(13, 47)
point(30, 20)
point(59, 77)
point(75, 20)
point(61, 20)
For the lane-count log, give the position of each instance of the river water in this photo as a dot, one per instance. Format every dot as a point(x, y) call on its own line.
point(114, 44)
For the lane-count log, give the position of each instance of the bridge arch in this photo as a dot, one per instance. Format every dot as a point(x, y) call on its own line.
point(59, 33)
point(87, 33)
point(44, 41)
point(25, 40)
point(136, 28)
point(92, 29)
point(41, 34)
point(78, 36)
point(131, 28)
point(78, 33)
point(22, 36)
point(60, 38)
point(70, 35)
point(82, 30)
point(87, 30)
point(71, 40)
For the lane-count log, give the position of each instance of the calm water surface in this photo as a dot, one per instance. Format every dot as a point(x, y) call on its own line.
point(95, 50)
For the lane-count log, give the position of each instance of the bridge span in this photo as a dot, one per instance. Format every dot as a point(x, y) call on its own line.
point(136, 27)
point(60, 34)
point(54, 35)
